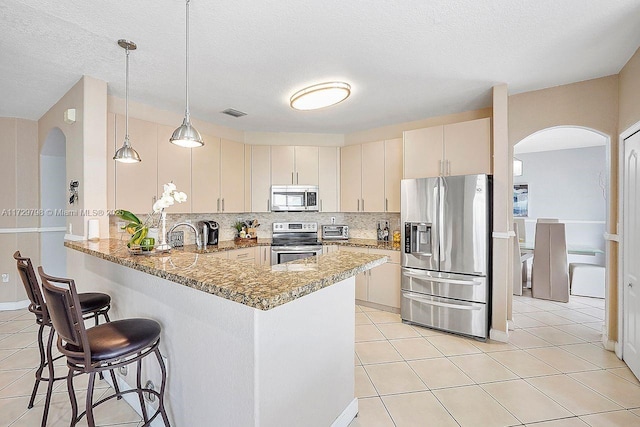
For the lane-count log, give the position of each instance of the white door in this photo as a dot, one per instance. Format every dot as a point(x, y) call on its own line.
point(631, 248)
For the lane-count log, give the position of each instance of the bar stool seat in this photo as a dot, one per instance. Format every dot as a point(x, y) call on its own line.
point(119, 338)
point(92, 305)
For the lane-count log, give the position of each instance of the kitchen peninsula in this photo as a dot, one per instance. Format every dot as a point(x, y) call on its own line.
point(245, 345)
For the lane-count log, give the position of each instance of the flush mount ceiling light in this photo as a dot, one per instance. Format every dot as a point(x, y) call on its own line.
point(320, 96)
point(186, 135)
point(126, 154)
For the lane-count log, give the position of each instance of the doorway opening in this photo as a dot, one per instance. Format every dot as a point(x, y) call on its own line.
point(53, 177)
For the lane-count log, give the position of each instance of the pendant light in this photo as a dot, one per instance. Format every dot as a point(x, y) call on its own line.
point(126, 154)
point(186, 135)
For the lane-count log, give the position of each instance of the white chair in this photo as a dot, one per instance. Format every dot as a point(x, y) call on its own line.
point(550, 276)
point(517, 256)
point(521, 233)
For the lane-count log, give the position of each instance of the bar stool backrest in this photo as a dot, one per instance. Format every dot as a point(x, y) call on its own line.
point(63, 306)
point(30, 282)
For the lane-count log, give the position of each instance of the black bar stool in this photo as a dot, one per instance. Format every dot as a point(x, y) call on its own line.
point(102, 347)
point(92, 305)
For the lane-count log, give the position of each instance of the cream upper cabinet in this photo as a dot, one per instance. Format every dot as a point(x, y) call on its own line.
point(467, 147)
point(231, 176)
point(294, 165)
point(205, 176)
point(329, 178)
point(350, 178)
point(457, 149)
point(260, 178)
point(392, 174)
point(306, 165)
point(282, 165)
point(174, 165)
point(423, 152)
point(373, 199)
point(136, 183)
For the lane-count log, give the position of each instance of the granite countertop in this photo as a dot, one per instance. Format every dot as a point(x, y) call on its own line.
point(261, 287)
point(364, 243)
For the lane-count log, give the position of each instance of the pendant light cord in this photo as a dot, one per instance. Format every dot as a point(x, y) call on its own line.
point(126, 104)
point(187, 115)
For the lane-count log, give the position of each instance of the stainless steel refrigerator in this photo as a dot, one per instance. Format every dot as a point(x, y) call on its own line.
point(446, 254)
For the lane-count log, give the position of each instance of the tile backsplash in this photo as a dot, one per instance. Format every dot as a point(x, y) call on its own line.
point(361, 225)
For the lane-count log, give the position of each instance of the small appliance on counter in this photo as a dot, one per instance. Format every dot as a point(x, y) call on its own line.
point(209, 232)
point(335, 232)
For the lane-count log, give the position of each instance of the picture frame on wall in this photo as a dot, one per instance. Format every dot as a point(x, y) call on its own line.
point(521, 200)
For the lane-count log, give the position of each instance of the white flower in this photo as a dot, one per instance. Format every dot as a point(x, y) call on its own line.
point(179, 196)
point(169, 188)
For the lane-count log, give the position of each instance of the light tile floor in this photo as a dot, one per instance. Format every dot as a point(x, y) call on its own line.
point(553, 373)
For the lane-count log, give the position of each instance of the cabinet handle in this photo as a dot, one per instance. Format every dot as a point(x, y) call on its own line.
point(358, 205)
point(223, 204)
point(264, 251)
point(362, 205)
point(242, 255)
point(292, 182)
point(448, 167)
point(218, 204)
point(386, 205)
point(297, 178)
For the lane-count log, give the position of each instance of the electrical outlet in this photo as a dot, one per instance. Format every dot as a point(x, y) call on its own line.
point(5, 277)
point(150, 397)
point(123, 370)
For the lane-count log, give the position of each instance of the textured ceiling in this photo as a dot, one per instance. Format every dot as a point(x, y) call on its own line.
point(405, 59)
point(560, 138)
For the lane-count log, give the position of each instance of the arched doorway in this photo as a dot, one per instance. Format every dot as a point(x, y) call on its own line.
point(565, 174)
point(53, 191)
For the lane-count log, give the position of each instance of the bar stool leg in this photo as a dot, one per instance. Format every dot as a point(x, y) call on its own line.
point(72, 397)
point(52, 374)
point(40, 368)
point(92, 379)
point(143, 407)
point(163, 369)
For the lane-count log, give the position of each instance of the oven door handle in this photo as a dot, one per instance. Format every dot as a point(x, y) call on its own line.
point(296, 248)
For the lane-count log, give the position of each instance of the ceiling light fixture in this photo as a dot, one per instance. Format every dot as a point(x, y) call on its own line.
point(320, 96)
point(186, 135)
point(126, 154)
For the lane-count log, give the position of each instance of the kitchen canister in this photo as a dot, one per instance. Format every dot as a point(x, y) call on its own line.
point(93, 230)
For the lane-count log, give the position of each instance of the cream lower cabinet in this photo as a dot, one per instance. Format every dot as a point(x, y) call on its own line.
point(456, 149)
point(247, 255)
point(263, 255)
point(380, 285)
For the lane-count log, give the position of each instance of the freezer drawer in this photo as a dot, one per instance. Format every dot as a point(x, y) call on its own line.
point(450, 315)
point(446, 285)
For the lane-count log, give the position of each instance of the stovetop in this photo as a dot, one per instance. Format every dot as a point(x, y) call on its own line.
point(295, 234)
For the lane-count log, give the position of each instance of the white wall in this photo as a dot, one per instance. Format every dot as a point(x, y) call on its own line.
point(53, 196)
point(569, 185)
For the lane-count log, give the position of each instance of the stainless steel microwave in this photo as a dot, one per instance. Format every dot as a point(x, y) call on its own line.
point(294, 198)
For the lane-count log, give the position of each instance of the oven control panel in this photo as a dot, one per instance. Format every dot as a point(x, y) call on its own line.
point(293, 227)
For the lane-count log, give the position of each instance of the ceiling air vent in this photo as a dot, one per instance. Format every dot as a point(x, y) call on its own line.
point(233, 113)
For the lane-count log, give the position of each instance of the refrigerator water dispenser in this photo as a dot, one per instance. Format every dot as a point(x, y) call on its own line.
point(418, 238)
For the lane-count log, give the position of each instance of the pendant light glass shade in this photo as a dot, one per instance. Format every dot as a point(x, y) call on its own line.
point(126, 154)
point(186, 135)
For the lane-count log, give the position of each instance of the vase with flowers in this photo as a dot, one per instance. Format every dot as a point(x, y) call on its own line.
point(139, 230)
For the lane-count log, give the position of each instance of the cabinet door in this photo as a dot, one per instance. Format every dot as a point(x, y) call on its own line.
point(384, 285)
point(247, 255)
point(392, 174)
point(174, 165)
point(247, 178)
point(467, 147)
point(205, 176)
point(350, 178)
point(136, 183)
point(231, 176)
point(263, 255)
point(260, 178)
point(111, 164)
point(282, 165)
point(306, 165)
point(373, 177)
point(423, 152)
point(328, 178)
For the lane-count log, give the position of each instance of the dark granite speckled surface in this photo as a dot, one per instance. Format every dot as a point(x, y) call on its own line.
point(261, 287)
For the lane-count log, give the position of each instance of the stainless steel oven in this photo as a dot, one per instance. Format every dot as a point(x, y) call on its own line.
point(294, 240)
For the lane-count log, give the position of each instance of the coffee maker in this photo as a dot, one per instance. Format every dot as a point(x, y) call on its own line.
point(209, 232)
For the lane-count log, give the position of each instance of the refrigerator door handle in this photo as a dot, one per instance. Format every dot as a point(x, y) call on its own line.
point(441, 198)
point(427, 301)
point(441, 279)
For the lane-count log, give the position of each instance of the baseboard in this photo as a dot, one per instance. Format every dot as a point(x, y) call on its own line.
point(607, 343)
point(497, 335)
point(18, 305)
point(618, 350)
point(349, 413)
